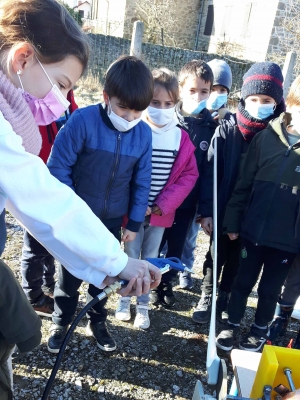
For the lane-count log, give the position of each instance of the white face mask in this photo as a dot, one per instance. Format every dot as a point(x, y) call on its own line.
point(161, 116)
point(121, 124)
point(259, 111)
point(193, 107)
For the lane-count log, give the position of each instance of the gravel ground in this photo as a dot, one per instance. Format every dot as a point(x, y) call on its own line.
point(163, 362)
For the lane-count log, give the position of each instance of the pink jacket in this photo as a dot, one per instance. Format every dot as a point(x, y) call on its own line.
point(182, 179)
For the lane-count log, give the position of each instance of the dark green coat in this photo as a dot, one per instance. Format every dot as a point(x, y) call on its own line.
point(19, 324)
point(264, 206)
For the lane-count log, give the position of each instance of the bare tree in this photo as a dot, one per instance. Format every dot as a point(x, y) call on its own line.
point(159, 20)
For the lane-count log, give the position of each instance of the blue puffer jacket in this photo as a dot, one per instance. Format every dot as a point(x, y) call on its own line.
point(108, 169)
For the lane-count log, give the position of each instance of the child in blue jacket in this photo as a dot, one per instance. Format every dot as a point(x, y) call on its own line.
point(104, 154)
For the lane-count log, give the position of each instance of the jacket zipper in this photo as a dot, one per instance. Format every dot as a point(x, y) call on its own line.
point(112, 176)
point(286, 154)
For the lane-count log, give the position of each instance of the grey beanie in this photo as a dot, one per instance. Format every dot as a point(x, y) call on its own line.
point(222, 73)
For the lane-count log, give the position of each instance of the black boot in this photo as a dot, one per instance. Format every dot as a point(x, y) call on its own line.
point(222, 305)
point(163, 295)
point(280, 322)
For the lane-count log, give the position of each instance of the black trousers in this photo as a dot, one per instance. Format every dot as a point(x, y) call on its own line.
point(66, 295)
point(228, 256)
point(276, 265)
point(175, 237)
point(37, 268)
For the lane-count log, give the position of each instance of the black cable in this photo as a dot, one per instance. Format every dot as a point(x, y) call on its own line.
point(64, 344)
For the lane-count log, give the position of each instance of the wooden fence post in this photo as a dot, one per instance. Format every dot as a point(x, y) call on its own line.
point(137, 39)
point(287, 71)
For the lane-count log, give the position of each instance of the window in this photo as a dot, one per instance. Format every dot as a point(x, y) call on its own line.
point(209, 21)
point(81, 13)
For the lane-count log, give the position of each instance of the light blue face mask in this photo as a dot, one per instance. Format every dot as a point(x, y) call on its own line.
point(200, 107)
point(260, 111)
point(216, 101)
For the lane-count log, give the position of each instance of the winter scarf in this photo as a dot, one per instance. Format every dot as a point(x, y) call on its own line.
point(16, 111)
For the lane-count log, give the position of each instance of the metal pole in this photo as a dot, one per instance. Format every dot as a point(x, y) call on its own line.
point(212, 360)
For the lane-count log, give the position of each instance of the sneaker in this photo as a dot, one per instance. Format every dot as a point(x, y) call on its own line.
point(142, 320)
point(57, 335)
point(163, 294)
point(221, 306)
point(201, 314)
point(123, 309)
point(226, 337)
point(49, 290)
point(44, 306)
point(254, 339)
point(185, 280)
point(279, 324)
point(17, 355)
point(155, 296)
point(104, 341)
point(167, 296)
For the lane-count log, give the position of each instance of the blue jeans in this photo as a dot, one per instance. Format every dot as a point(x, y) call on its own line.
point(145, 245)
point(37, 268)
point(2, 231)
point(190, 244)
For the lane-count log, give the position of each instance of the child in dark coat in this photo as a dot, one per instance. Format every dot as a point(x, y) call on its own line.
point(261, 101)
point(264, 212)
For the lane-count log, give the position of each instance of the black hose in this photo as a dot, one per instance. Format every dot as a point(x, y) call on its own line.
point(64, 344)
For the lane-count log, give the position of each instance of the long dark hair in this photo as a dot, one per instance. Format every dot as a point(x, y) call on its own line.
point(47, 26)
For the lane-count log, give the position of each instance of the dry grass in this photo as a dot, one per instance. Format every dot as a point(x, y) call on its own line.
point(88, 90)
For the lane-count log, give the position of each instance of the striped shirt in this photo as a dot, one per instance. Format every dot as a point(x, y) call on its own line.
point(165, 144)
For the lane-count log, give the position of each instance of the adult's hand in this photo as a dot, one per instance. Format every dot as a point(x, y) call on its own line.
point(147, 276)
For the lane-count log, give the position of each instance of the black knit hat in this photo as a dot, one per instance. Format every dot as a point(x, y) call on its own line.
point(263, 78)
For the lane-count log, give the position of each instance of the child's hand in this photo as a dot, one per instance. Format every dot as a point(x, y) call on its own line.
point(128, 236)
point(156, 210)
point(233, 236)
point(148, 212)
point(207, 225)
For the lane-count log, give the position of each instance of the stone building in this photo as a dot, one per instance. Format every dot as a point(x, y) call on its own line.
point(247, 29)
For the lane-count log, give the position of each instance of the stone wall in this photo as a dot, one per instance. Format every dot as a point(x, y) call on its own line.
point(180, 22)
point(106, 49)
point(281, 40)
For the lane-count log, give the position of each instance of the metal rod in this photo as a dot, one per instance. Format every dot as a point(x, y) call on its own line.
point(288, 374)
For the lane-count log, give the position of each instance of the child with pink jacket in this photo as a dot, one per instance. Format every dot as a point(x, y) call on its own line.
point(174, 174)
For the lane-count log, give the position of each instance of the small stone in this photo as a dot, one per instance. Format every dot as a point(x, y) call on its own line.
point(179, 373)
point(78, 383)
point(154, 348)
point(176, 388)
point(101, 389)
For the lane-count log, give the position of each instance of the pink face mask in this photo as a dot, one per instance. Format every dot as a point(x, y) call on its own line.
point(48, 109)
